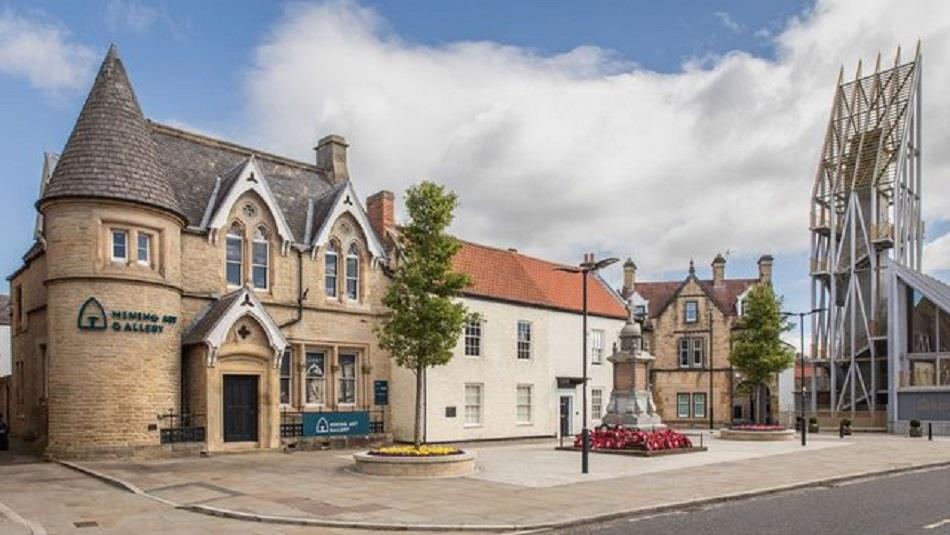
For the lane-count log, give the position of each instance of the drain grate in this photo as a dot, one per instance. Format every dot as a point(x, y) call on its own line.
point(86, 524)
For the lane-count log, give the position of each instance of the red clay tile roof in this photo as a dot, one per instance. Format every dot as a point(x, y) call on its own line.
point(659, 294)
point(510, 276)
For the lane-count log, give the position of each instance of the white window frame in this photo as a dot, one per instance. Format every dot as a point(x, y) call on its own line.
point(332, 251)
point(689, 405)
point(696, 397)
point(261, 238)
point(353, 275)
point(596, 403)
point(520, 404)
point(125, 244)
point(479, 407)
point(288, 360)
point(523, 345)
point(686, 311)
point(354, 379)
point(597, 346)
point(472, 338)
point(322, 378)
point(147, 259)
point(232, 235)
point(697, 346)
point(683, 349)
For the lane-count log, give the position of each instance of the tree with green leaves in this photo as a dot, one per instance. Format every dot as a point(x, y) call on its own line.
point(758, 351)
point(426, 317)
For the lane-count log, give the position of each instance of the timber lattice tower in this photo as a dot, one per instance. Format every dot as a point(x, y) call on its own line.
point(865, 212)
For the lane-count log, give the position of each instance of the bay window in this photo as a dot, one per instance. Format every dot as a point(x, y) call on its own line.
point(346, 387)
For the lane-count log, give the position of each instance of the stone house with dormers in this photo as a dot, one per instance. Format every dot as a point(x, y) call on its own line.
point(688, 326)
point(180, 278)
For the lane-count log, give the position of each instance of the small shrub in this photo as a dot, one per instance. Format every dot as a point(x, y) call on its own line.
point(813, 421)
point(846, 422)
point(915, 424)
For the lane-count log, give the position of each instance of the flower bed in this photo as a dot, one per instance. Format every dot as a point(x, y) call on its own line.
point(619, 438)
point(757, 427)
point(412, 451)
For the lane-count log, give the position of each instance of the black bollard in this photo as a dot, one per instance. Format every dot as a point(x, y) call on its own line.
point(930, 430)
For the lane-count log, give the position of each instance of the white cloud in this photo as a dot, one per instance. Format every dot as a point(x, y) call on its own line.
point(131, 15)
point(728, 22)
point(557, 154)
point(41, 51)
point(937, 254)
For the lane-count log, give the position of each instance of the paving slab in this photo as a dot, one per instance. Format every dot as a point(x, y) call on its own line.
point(517, 484)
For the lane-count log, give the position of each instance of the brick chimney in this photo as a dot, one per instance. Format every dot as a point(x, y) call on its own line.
point(719, 270)
point(629, 279)
point(765, 268)
point(380, 207)
point(331, 158)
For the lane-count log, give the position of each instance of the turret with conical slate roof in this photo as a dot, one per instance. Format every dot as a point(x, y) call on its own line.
point(110, 153)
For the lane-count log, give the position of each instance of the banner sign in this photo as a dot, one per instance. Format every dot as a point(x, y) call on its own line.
point(330, 424)
point(381, 392)
point(927, 406)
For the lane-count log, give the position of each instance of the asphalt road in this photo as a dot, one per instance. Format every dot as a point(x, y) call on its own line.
point(912, 503)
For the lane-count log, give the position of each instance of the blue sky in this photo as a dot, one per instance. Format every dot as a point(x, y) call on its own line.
point(236, 72)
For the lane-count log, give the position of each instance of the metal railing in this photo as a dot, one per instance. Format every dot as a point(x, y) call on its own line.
point(181, 427)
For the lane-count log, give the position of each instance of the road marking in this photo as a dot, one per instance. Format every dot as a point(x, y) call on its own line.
point(937, 524)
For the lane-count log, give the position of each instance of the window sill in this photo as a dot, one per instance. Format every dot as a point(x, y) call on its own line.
point(525, 424)
point(471, 426)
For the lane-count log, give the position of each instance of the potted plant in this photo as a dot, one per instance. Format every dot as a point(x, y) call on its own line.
point(798, 423)
point(915, 430)
point(813, 425)
point(845, 428)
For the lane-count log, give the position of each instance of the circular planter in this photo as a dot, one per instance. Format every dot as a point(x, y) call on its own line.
point(459, 464)
point(761, 436)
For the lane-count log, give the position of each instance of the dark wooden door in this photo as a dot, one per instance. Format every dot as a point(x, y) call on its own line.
point(240, 408)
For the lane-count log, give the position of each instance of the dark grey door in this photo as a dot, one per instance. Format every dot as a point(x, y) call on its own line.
point(565, 416)
point(240, 408)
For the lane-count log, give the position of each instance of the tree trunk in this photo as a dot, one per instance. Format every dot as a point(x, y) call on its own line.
point(417, 434)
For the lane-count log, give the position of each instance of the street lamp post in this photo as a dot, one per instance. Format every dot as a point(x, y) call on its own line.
point(585, 268)
point(801, 374)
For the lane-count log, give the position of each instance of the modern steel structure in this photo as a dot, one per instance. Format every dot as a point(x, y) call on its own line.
point(865, 213)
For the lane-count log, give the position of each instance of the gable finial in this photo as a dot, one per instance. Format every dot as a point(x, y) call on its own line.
point(692, 267)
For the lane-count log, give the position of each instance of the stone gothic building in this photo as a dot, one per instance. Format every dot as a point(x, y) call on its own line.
point(688, 326)
point(211, 280)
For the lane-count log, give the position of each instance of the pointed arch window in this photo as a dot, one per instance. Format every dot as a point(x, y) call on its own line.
point(235, 255)
point(331, 262)
point(353, 272)
point(260, 258)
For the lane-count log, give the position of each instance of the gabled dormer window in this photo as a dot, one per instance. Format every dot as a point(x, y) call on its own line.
point(235, 255)
point(330, 264)
point(260, 257)
point(353, 272)
point(692, 311)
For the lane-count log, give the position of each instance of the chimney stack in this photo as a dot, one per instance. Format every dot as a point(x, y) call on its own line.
point(765, 268)
point(380, 208)
point(629, 279)
point(719, 270)
point(331, 158)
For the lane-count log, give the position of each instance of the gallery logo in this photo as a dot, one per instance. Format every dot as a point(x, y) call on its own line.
point(323, 426)
point(92, 317)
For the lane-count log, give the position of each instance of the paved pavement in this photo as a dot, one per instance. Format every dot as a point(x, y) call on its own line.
point(913, 503)
point(519, 484)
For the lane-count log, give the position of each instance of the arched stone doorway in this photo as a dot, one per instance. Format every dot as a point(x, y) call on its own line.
point(232, 360)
